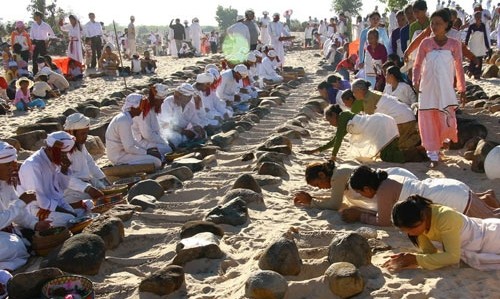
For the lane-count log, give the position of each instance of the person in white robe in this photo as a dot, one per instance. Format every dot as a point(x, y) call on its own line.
point(239, 34)
point(264, 24)
point(172, 47)
point(229, 88)
point(220, 107)
point(146, 128)
point(86, 178)
point(5, 277)
point(75, 45)
point(179, 121)
point(13, 213)
point(209, 113)
point(196, 32)
point(277, 32)
point(47, 173)
point(121, 146)
point(267, 70)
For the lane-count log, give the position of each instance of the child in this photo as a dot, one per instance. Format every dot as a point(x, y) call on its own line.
point(74, 71)
point(478, 43)
point(6, 56)
point(375, 56)
point(438, 62)
point(148, 65)
point(12, 74)
point(41, 89)
point(135, 65)
point(23, 101)
point(346, 65)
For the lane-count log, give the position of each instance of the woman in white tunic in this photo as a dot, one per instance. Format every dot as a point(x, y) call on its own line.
point(75, 47)
point(472, 240)
point(398, 87)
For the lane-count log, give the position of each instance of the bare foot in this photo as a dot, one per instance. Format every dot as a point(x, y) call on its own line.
point(433, 164)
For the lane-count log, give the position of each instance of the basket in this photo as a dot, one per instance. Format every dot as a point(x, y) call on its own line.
point(129, 182)
point(105, 203)
point(47, 240)
point(78, 224)
point(62, 286)
point(114, 189)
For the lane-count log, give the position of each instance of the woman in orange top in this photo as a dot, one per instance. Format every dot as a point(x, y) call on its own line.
point(20, 36)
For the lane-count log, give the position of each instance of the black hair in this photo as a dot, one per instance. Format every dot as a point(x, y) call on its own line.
point(38, 14)
point(323, 85)
point(375, 13)
point(373, 31)
point(347, 95)
point(365, 176)
point(332, 109)
point(410, 212)
point(388, 64)
point(420, 5)
point(395, 57)
point(313, 170)
point(400, 12)
point(17, 48)
point(334, 78)
point(445, 15)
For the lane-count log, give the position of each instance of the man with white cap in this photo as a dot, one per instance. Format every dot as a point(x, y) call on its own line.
point(208, 102)
point(267, 70)
point(277, 33)
point(179, 119)
point(13, 213)
point(47, 173)
point(219, 105)
point(146, 129)
point(264, 33)
point(229, 88)
point(239, 32)
point(121, 146)
point(195, 31)
point(86, 177)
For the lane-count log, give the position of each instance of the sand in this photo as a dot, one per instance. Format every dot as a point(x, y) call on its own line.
point(152, 235)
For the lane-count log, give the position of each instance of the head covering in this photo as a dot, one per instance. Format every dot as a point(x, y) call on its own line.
point(271, 53)
point(204, 78)
point(265, 12)
point(186, 89)
point(276, 14)
point(110, 45)
point(132, 100)
point(161, 90)
point(215, 73)
point(18, 82)
point(5, 277)
point(66, 139)
point(195, 20)
point(19, 24)
point(241, 69)
point(76, 121)
point(12, 64)
point(251, 57)
point(239, 18)
point(44, 71)
point(8, 153)
point(257, 53)
point(211, 66)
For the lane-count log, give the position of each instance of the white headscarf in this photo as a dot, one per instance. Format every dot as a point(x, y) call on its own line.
point(161, 90)
point(214, 73)
point(67, 140)
point(76, 121)
point(186, 89)
point(271, 53)
point(205, 78)
point(7, 153)
point(211, 66)
point(241, 69)
point(251, 57)
point(132, 100)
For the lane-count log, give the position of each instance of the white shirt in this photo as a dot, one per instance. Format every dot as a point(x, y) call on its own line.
point(214, 105)
point(228, 87)
point(390, 105)
point(239, 30)
point(39, 174)
point(276, 30)
point(12, 209)
point(119, 139)
point(41, 32)
point(147, 129)
point(267, 70)
point(92, 29)
point(176, 118)
point(40, 89)
point(83, 169)
point(308, 32)
point(403, 92)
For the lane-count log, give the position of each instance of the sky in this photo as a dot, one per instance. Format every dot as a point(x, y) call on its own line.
point(150, 12)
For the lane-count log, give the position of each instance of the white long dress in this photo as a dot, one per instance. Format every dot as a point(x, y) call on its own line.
point(277, 30)
point(75, 46)
point(196, 32)
point(264, 34)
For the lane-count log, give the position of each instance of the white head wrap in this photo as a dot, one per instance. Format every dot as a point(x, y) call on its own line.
point(132, 100)
point(186, 89)
point(214, 73)
point(211, 66)
point(161, 90)
point(67, 140)
point(110, 45)
point(44, 71)
point(257, 53)
point(205, 78)
point(251, 57)
point(5, 277)
point(241, 69)
point(76, 121)
point(7, 153)
point(271, 53)
point(239, 18)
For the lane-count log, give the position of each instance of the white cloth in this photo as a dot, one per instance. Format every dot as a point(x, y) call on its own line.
point(40, 89)
point(308, 32)
point(135, 66)
point(56, 80)
point(264, 33)
point(121, 146)
point(238, 31)
point(133, 100)
point(391, 106)
point(195, 31)
point(403, 92)
point(67, 140)
point(268, 72)
point(370, 134)
point(228, 87)
point(92, 29)
point(146, 131)
point(492, 162)
point(277, 30)
point(215, 106)
point(83, 169)
point(438, 70)
point(76, 121)
point(75, 45)
point(7, 153)
point(41, 32)
point(443, 191)
point(476, 44)
point(172, 47)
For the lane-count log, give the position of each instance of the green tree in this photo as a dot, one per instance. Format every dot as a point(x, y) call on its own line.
point(225, 17)
point(394, 4)
point(51, 12)
point(351, 6)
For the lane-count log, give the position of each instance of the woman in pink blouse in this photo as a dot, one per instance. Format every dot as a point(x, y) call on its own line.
point(438, 61)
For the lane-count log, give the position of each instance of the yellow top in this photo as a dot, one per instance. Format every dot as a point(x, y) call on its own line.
point(446, 227)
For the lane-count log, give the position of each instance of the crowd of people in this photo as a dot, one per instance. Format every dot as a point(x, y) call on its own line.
point(400, 108)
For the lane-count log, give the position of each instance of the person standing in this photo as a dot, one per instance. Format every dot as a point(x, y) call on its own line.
point(40, 34)
point(74, 30)
point(20, 36)
point(252, 28)
point(264, 23)
point(277, 32)
point(132, 48)
point(179, 33)
point(213, 42)
point(196, 32)
point(477, 40)
point(93, 34)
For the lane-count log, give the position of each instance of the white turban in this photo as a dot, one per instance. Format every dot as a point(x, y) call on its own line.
point(7, 153)
point(251, 57)
point(257, 53)
point(67, 140)
point(186, 89)
point(161, 90)
point(492, 162)
point(211, 66)
point(76, 121)
point(132, 100)
point(44, 71)
point(214, 73)
point(271, 53)
point(204, 78)
point(239, 18)
point(241, 69)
